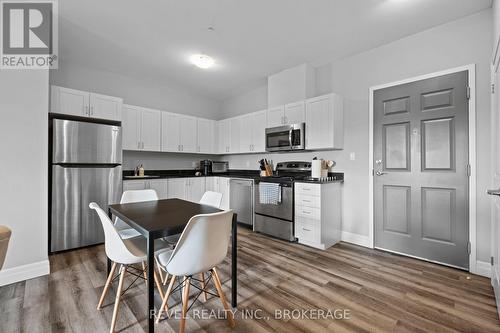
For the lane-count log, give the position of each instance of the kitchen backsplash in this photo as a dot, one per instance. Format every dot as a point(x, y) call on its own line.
point(162, 161)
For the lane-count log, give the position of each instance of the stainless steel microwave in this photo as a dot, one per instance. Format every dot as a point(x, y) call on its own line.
point(286, 138)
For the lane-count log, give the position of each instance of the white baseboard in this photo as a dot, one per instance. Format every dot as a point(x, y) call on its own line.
point(357, 239)
point(24, 272)
point(483, 268)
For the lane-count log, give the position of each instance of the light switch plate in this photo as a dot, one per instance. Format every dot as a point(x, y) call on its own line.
point(352, 156)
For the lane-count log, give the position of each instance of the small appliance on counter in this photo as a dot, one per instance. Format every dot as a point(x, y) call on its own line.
point(206, 167)
point(219, 167)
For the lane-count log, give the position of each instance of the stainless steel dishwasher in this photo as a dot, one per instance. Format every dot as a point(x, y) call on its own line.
point(241, 200)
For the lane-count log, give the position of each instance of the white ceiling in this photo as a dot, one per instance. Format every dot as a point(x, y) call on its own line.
point(153, 39)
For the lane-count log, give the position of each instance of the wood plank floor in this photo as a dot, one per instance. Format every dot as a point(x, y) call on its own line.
point(380, 292)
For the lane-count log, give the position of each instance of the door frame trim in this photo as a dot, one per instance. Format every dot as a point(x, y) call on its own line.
point(471, 69)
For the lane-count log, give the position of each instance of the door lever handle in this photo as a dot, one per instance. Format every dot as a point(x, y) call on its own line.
point(494, 192)
point(380, 173)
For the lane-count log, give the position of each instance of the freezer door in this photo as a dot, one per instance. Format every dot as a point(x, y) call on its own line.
point(77, 142)
point(73, 223)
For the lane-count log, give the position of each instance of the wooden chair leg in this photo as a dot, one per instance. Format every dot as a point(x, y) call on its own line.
point(203, 286)
point(185, 301)
point(158, 283)
point(165, 279)
point(107, 285)
point(218, 285)
point(164, 304)
point(159, 269)
point(123, 270)
point(145, 272)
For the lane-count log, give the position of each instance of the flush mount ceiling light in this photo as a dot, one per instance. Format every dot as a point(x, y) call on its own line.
point(202, 61)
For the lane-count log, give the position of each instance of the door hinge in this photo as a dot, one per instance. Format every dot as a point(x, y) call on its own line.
point(468, 92)
point(492, 88)
point(469, 170)
point(468, 248)
point(492, 260)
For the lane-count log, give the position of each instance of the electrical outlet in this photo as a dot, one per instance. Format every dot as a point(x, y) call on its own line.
point(352, 156)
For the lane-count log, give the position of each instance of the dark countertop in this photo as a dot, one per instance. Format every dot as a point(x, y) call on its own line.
point(338, 177)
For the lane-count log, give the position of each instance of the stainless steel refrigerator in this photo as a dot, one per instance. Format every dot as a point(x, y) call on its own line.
point(86, 167)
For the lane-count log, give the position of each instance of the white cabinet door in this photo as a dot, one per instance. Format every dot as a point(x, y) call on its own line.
point(131, 127)
point(69, 101)
point(324, 122)
point(212, 184)
point(224, 136)
point(224, 189)
point(275, 116)
point(160, 186)
point(150, 130)
point(295, 113)
point(245, 133)
point(131, 185)
point(177, 188)
point(105, 107)
point(205, 136)
point(196, 188)
point(259, 132)
point(234, 138)
point(188, 134)
point(170, 136)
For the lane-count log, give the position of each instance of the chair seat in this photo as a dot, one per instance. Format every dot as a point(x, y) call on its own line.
point(163, 257)
point(138, 247)
point(172, 239)
point(127, 233)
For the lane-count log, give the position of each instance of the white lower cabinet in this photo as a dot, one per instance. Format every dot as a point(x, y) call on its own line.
point(191, 188)
point(220, 185)
point(177, 188)
point(159, 185)
point(318, 214)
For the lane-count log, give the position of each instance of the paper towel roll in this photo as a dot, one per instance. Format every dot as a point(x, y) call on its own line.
point(316, 168)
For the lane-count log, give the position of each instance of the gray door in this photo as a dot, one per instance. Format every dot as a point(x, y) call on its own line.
point(421, 169)
point(74, 224)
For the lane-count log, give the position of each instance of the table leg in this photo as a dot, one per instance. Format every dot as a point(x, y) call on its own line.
point(234, 261)
point(151, 284)
point(108, 261)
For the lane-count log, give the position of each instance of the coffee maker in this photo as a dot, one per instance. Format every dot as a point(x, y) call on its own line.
point(206, 167)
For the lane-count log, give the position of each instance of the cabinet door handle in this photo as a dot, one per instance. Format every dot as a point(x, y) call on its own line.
point(182, 147)
point(138, 145)
point(91, 110)
point(306, 200)
point(306, 229)
point(306, 212)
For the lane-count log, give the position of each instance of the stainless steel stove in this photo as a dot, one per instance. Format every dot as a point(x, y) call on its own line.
point(274, 200)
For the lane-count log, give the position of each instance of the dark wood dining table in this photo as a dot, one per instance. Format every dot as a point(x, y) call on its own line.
point(161, 218)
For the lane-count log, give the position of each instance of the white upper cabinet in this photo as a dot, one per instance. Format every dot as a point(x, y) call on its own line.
point(205, 136)
point(224, 136)
point(235, 125)
point(105, 107)
point(276, 116)
point(325, 122)
point(259, 132)
point(179, 133)
point(252, 132)
point(295, 113)
point(151, 130)
point(188, 134)
point(292, 113)
point(171, 132)
point(141, 128)
point(131, 127)
point(69, 101)
point(85, 104)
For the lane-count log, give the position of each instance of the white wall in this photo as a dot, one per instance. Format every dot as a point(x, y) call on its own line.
point(146, 93)
point(163, 161)
point(454, 44)
point(250, 101)
point(23, 150)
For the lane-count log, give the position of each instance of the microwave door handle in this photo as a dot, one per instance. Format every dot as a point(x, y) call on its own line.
point(290, 134)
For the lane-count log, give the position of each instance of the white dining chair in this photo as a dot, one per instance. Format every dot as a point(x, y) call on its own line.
point(131, 196)
point(209, 198)
point(5, 234)
point(202, 246)
point(123, 252)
